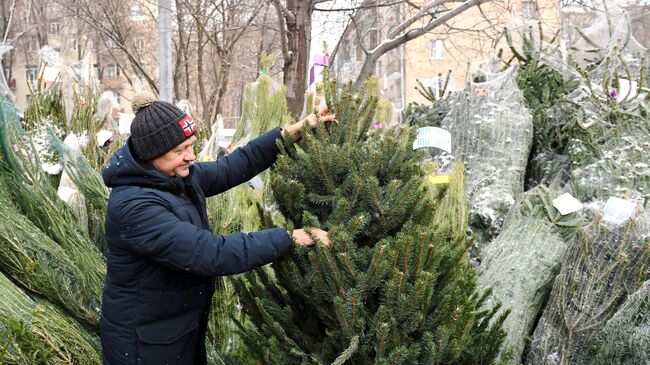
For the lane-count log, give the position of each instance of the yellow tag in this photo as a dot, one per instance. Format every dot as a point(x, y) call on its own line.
point(207, 158)
point(441, 179)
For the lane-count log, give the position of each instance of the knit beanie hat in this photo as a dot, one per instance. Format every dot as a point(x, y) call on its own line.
point(158, 126)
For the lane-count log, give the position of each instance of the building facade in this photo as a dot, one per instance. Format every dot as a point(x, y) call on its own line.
point(455, 48)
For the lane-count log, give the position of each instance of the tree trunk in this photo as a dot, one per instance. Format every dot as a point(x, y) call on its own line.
point(179, 52)
point(222, 86)
point(199, 76)
point(295, 68)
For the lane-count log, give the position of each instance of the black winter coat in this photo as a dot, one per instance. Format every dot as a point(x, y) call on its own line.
point(162, 257)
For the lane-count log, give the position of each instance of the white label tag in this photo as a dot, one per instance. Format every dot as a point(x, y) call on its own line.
point(125, 123)
point(567, 204)
point(617, 210)
point(625, 87)
point(102, 136)
point(433, 137)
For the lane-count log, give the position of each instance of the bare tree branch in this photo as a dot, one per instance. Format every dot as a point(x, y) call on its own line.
point(284, 41)
point(243, 27)
point(316, 2)
point(115, 32)
point(364, 6)
point(424, 11)
point(286, 13)
point(396, 39)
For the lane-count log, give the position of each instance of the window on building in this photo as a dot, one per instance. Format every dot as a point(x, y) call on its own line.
point(372, 38)
point(393, 67)
point(437, 49)
point(137, 11)
point(139, 44)
point(76, 46)
point(360, 54)
point(436, 84)
point(31, 73)
point(32, 45)
point(111, 70)
point(55, 28)
point(529, 9)
point(118, 97)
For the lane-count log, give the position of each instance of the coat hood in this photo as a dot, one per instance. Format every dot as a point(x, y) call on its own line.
point(123, 169)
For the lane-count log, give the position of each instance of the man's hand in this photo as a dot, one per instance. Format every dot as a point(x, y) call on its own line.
point(301, 237)
point(312, 120)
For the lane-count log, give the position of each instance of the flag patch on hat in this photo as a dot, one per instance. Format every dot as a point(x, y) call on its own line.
point(188, 126)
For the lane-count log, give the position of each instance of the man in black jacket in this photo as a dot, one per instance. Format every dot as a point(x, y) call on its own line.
point(162, 256)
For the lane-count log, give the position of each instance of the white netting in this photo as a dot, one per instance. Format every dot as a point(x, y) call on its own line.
point(625, 339)
point(210, 151)
point(618, 167)
point(68, 191)
point(263, 107)
point(492, 132)
point(610, 30)
point(521, 263)
point(603, 119)
point(105, 105)
point(605, 263)
point(5, 91)
point(50, 56)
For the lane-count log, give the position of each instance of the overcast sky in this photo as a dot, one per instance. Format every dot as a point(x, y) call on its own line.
point(329, 25)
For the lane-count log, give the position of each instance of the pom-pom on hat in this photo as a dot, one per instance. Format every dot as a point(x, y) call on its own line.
point(158, 126)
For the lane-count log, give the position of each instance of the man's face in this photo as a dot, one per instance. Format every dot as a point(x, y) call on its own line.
point(176, 162)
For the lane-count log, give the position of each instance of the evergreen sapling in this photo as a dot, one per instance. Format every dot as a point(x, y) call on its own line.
point(396, 287)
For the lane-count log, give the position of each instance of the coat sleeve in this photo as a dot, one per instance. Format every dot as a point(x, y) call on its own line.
point(149, 229)
point(239, 166)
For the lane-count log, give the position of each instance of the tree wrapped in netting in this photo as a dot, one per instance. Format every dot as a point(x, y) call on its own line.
point(87, 118)
point(491, 131)
point(32, 192)
point(545, 88)
point(605, 263)
point(610, 30)
point(625, 339)
point(36, 332)
point(522, 262)
point(609, 156)
point(89, 182)
point(396, 287)
point(590, 113)
point(39, 264)
point(423, 115)
point(264, 107)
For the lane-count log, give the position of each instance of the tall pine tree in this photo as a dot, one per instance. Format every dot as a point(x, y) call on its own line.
point(396, 287)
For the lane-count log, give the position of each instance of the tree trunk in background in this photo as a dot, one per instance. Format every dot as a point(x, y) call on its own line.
point(295, 67)
point(222, 85)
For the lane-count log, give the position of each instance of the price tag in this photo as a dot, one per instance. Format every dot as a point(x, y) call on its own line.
point(433, 137)
point(441, 179)
point(625, 87)
point(617, 210)
point(102, 136)
point(567, 204)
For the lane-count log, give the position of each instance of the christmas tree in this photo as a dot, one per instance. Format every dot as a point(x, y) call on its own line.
point(396, 287)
